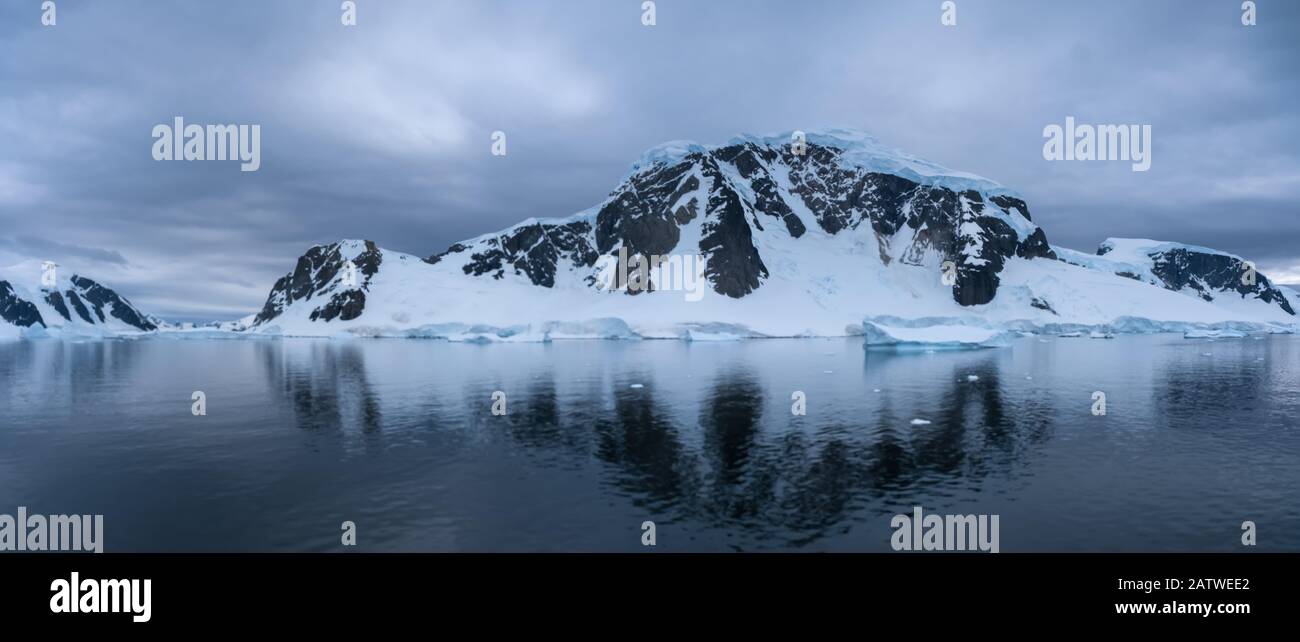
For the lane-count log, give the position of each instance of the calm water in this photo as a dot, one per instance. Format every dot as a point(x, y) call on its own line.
point(398, 436)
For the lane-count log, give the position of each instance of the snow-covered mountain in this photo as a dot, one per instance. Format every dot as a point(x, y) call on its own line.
point(793, 244)
point(67, 306)
point(1197, 271)
point(840, 235)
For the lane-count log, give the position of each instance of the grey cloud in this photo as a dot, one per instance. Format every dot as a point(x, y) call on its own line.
point(382, 130)
point(53, 250)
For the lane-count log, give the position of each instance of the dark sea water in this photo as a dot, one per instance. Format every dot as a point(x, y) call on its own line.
point(398, 437)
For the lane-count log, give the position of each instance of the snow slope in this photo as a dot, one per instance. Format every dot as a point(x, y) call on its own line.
point(829, 293)
point(794, 245)
point(71, 307)
point(1226, 280)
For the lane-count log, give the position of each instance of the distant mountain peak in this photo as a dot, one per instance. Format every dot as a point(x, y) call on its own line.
point(75, 304)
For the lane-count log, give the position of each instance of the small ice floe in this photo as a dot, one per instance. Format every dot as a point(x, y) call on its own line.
point(972, 377)
point(1100, 335)
point(875, 390)
point(1213, 334)
point(828, 372)
point(1070, 335)
point(636, 385)
point(1206, 354)
point(1029, 377)
point(921, 422)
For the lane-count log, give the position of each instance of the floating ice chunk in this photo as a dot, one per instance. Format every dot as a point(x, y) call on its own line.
point(1213, 334)
point(921, 422)
point(209, 334)
point(636, 386)
point(972, 377)
point(940, 335)
point(603, 328)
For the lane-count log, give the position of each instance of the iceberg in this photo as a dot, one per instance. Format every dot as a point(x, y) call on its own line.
point(947, 336)
point(1213, 334)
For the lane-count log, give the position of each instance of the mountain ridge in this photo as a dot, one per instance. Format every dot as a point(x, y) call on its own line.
point(746, 206)
point(808, 234)
point(31, 304)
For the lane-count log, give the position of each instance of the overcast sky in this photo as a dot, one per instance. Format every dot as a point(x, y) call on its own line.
point(382, 130)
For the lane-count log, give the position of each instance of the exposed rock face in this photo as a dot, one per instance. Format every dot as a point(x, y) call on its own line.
point(729, 196)
point(322, 274)
point(55, 299)
point(101, 298)
point(15, 310)
point(534, 250)
point(1207, 272)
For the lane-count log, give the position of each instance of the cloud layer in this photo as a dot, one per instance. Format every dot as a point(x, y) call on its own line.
point(382, 130)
